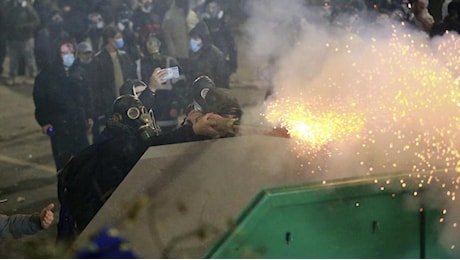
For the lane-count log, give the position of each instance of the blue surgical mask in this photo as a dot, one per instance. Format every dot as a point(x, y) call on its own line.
point(120, 43)
point(68, 60)
point(195, 45)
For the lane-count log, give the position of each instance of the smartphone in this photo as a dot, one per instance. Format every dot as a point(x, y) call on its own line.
point(173, 73)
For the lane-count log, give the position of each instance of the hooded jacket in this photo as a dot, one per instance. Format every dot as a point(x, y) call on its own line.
point(208, 61)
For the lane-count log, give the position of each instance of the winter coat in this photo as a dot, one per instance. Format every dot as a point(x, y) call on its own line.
point(103, 83)
point(62, 98)
point(223, 39)
point(21, 22)
point(209, 60)
point(175, 32)
point(17, 225)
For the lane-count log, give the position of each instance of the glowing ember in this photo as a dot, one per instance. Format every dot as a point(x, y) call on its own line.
point(314, 128)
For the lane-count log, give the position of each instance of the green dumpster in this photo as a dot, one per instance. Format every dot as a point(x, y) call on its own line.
point(392, 216)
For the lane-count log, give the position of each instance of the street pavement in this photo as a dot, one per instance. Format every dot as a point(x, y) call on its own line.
point(26, 166)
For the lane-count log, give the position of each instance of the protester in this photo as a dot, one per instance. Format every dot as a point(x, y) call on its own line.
point(18, 225)
point(90, 178)
point(63, 105)
point(111, 67)
point(450, 23)
point(221, 35)
point(21, 23)
point(205, 58)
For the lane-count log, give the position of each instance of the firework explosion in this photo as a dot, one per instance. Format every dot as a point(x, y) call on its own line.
point(392, 99)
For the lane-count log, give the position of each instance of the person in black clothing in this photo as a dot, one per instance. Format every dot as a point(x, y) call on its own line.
point(450, 23)
point(62, 105)
point(90, 177)
point(221, 35)
point(171, 94)
point(110, 68)
point(205, 58)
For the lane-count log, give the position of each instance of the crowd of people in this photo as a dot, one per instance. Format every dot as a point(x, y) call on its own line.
point(100, 68)
point(81, 55)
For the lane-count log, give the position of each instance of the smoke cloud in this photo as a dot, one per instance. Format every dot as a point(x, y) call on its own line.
point(363, 96)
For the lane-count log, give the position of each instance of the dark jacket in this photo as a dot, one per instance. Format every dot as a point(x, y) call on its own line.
point(448, 24)
point(223, 39)
point(103, 79)
point(21, 22)
point(62, 98)
point(209, 60)
point(91, 177)
point(165, 98)
point(17, 225)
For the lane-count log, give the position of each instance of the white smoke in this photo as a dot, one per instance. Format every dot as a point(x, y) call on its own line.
point(404, 84)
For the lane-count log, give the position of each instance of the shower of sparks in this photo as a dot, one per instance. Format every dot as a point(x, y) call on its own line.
point(397, 98)
point(314, 128)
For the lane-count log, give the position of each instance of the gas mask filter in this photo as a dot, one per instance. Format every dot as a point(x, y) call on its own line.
point(134, 114)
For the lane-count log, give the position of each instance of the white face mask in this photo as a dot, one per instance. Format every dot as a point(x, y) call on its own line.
point(68, 59)
point(195, 45)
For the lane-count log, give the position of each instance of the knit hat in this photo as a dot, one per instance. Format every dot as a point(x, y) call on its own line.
point(83, 47)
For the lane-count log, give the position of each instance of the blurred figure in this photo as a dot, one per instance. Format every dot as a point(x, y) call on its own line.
point(444, 11)
point(2, 36)
point(422, 17)
point(450, 23)
point(221, 35)
point(21, 23)
point(175, 89)
point(111, 67)
point(85, 54)
point(209, 99)
point(177, 23)
point(49, 37)
point(146, 15)
point(205, 58)
point(125, 25)
point(18, 225)
point(74, 14)
point(62, 105)
point(94, 32)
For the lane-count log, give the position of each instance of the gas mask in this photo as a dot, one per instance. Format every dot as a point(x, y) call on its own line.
point(209, 99)
point(134, 114)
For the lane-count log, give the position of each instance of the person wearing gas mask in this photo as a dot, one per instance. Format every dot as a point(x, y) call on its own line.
point(209, 99)
point(171, 95)
point(205, 58)
point(90, 177)
point(110, 68)
point(62, 105)
point(21, 23)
